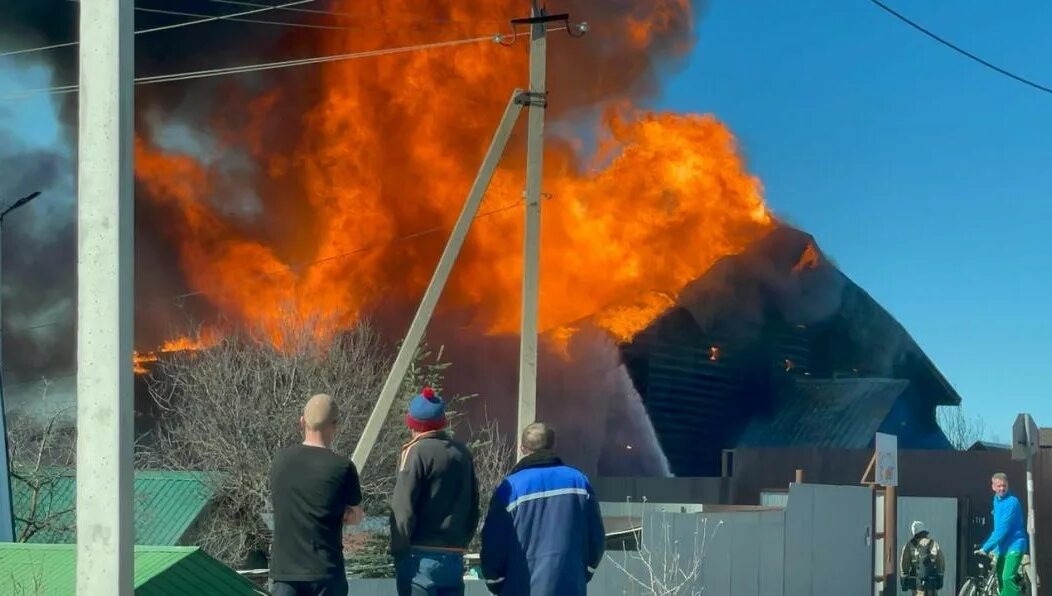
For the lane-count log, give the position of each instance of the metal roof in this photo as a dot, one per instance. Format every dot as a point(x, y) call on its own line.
point(166, 505)
point(988, 446)
point(50, 569)
point(831, 413)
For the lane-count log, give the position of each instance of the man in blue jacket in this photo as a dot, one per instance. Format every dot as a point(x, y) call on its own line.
point(1008, 540)
point(543, 533)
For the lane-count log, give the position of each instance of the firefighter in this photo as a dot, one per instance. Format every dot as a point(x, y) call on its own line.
point(922, 563)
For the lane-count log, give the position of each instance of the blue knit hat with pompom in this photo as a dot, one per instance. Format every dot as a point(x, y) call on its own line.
point(427, 412)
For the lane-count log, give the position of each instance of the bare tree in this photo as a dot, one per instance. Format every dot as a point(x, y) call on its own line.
point(229, 408)
point(669, 568)
point(494, 456)
point(961, 430)
point(42, 456)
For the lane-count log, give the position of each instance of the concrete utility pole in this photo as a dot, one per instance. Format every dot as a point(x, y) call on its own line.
point(438, 281)
point(536, 99)
point(1026, 443)
point(104, 299)
point(527, 411)
point(7, 510)
point(1033, 440)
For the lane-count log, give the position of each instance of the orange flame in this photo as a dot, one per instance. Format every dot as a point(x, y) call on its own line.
point(390, 150)
point(809, 259)
point(205, 339)
point(140, 360)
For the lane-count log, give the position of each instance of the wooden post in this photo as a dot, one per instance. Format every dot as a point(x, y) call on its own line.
point(890, 540)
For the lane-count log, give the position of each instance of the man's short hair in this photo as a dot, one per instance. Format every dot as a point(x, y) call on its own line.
point(1000, 476)
point(538, 436)
point(320, 412)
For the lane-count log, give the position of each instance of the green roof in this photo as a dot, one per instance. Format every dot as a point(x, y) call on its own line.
point(166, 505)
point(50, 570)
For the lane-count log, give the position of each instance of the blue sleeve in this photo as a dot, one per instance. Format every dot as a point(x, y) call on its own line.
point(1002, 520)
point(596, 534)
point(497, 534)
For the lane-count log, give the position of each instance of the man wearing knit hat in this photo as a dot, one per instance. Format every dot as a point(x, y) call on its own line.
point(435, 505)
point(314, 492)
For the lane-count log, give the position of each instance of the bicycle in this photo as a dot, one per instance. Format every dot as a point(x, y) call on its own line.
point(986, 582)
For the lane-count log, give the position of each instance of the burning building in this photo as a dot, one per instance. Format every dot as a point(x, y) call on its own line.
point(775, 347)
point(679, 318)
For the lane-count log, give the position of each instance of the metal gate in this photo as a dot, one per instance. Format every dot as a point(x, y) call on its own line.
point(829, 540)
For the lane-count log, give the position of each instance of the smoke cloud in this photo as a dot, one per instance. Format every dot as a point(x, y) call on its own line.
point(250, 135)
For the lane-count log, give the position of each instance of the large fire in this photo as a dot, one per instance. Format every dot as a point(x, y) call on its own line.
point(389, 149)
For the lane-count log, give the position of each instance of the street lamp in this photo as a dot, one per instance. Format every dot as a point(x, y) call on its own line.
point(7, 511)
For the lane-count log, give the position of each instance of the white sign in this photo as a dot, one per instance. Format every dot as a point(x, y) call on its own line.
point(887, 471)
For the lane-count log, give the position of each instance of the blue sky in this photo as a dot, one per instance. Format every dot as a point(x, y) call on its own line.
point(922, 174)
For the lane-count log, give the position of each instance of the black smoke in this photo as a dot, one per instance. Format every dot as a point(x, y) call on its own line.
point(39, 240)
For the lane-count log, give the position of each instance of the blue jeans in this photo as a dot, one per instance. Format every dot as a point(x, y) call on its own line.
point(336, 586)
point(425, 572)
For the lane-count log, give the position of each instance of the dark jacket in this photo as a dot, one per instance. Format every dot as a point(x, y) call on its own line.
point(543, 533)
point(922, 564)
point(436, 496)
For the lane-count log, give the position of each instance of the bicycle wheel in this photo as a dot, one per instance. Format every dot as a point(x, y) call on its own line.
point(968, 589)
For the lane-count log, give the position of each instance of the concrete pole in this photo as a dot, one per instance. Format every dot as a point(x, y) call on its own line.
point(532, 240)
point(104, 299)
point(1031, 442)
point(438, 281)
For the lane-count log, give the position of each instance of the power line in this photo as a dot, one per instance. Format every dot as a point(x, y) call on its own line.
point(215, 72)
point(299, 10)
point(32, 327)
point(370, 17)
point(253, 21)
point(221, 17)
point(163, 27)
point(961, 50)
point(42, 379)
point(40, 326)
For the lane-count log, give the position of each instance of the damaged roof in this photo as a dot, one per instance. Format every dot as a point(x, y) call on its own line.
point(830, 413)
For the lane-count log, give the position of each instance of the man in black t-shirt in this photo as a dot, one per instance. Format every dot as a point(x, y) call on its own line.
point(314, 492)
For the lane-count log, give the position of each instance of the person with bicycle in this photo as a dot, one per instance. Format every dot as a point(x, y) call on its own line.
point(1008, 541)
